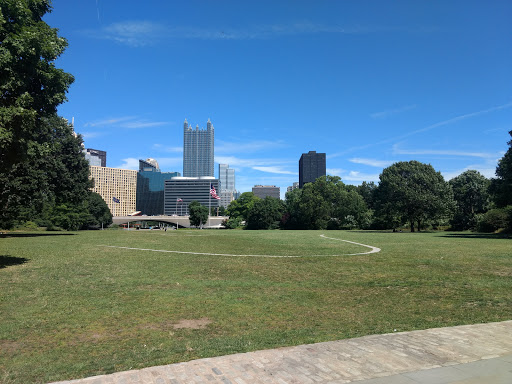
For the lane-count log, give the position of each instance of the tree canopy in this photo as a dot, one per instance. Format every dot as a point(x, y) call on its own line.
point(240, 207)
point(265, 214)
point(325, 203)
point(198, 214)
point(471, 194)
point(31, 88)
point(412, 192)
point(501, 187)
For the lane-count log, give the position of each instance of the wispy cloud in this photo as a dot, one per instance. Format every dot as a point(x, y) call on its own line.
point(372, 162)
point(235, 162)
point(109, 121)
point(131, 33)
point(91, 135)
point(275, 169)
point(144, 33)
point(425, 129)
point(247, 147)
point(487, 171)
point(130, 122)
point(391, 112)
point(441, 152)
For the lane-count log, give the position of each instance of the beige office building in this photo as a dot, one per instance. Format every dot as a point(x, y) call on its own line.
point(118, 187)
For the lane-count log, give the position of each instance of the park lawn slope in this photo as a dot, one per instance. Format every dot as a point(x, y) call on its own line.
point(72, 307)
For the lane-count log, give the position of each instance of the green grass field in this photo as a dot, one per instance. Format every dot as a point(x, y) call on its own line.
point(71, 307)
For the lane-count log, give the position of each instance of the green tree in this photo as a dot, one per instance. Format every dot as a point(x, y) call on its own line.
point(241, 206)
point(265, 214)
point(198, 214)
point(471, 194)
point(501, 186)
point(325, 203)
point(367, 190)
point(412, 192)
point(99, 212)
point(31, 88)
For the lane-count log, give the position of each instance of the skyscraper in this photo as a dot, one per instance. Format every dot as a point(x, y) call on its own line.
point(226, 184)
point(311, 167)
point(96, 157)
point(198, 151)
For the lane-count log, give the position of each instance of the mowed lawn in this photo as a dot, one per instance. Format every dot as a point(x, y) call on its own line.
point(71, 307)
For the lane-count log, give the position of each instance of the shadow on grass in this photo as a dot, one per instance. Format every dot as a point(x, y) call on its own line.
point(7, 261)
point(478, 235)
point(35, 234)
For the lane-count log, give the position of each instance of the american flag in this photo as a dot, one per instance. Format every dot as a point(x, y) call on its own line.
point(116, 200)
point(213, 192)
point(179, 200)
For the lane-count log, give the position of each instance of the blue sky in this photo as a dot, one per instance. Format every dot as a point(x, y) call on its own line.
point(367, 82)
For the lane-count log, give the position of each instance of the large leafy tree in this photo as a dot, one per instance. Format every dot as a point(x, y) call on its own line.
point(31, 88)
point(412, 192)
point(99, 212)
point(501, 186)
point(265, 214)
point(240, 207)
point(470, 191)
point(325, 203)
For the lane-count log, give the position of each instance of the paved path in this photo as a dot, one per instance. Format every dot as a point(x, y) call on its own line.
point(469, 354)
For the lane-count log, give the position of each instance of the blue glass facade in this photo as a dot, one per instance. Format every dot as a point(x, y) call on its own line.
point(150, 190)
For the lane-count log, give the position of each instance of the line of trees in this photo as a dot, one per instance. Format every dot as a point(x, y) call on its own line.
point(408, 193)
point(44, 176)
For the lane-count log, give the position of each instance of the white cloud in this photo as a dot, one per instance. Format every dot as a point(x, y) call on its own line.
point(251, 163)
point(448, 152)
point(353, 176)
point(109, 121)
point(170, 164)
point(372, 162)
point(486, 171)
point(335, 171)
point(91, 135)
point(131, 122)
point(129, 163)
point(391, 112)
point(145, 33)
point(274, 169)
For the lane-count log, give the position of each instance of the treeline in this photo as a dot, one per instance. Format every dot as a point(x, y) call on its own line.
point(410, 194)
point(44, 177)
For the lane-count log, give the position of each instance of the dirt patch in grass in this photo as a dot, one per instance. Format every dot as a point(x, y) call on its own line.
point(9, 346)
point(192, 324)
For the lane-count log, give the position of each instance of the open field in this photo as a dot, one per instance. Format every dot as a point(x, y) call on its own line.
point(71, 307)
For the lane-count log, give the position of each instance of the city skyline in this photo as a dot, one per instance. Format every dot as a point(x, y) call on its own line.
point(369, 84)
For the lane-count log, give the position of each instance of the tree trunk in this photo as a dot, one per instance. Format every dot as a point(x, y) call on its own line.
point(419, 226)
point(412, 226)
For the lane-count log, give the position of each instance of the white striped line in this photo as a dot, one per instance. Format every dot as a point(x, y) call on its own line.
point(373, 250)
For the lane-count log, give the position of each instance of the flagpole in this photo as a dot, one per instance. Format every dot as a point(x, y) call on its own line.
point(209, 203)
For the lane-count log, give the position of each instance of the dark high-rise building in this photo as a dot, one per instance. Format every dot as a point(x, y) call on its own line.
point(311, 167)
point(150, 187)
point(96, 157)
point(198, 147)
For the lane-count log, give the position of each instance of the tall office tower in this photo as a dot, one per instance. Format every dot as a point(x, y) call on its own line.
point(311, 167)
point(96, 157)
point(226, 184)
point(198, 147)
point(118, 187)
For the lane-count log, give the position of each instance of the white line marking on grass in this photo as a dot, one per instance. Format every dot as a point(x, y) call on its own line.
point(373, 250)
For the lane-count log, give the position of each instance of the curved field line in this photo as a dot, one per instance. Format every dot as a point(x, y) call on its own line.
point(373, 250)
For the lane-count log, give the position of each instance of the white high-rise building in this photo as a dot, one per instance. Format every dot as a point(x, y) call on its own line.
point(226, 184)
point(198, 150)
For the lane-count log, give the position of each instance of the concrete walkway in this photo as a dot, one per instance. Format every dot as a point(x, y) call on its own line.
point(469, 354)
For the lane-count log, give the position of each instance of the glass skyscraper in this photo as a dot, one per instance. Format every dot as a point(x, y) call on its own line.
point(150, 187)
point(198, 158)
